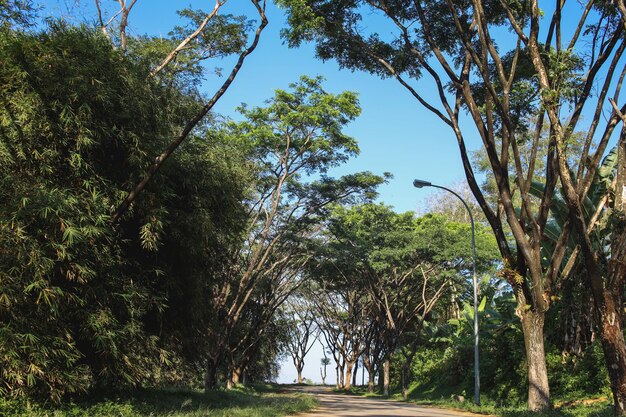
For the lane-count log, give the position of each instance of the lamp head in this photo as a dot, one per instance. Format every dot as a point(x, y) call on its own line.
point(421, 184)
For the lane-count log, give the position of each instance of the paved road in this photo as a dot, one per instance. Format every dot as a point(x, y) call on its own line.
point(338, 405)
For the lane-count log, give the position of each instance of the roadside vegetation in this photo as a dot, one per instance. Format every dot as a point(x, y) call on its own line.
point(257, 401)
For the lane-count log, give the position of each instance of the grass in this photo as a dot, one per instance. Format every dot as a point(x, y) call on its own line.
point(594, 408)
point(240, 402)
point(600, 409)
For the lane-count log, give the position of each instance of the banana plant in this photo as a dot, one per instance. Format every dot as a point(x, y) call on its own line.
point(593, 209)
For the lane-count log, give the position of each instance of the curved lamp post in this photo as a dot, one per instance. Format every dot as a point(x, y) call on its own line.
point(421, 184)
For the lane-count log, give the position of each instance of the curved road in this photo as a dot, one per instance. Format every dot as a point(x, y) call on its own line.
point(339, 405)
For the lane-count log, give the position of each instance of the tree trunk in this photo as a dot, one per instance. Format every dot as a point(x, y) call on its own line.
point(614, 348)
point(610, 310)
point(355, 371)
point(300, 375)
point(386, 376)
point(538, 387)
point(371, 380)
point(210, 375)
point(405, 380)
point(235, 377)
point(348, 376)
point(607, 293)
point(371, 373)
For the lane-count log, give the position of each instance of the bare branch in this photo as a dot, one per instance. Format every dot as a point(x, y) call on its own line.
point(183, 44)
point(154, 168)
point(125, 11)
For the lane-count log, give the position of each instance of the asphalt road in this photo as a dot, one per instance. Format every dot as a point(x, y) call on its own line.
point(339, 405)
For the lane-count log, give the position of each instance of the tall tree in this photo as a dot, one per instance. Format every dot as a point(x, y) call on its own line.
point(500, 81)
point(302, 333)
point(299, 132)
point(193, 122)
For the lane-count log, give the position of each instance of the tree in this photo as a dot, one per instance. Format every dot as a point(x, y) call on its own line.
point(342, 316)
point(194, 121)
point(397, 268)
point(302, 335)
point(83, 305)
point(502, 82)
point(325, 361)
point(298, 132)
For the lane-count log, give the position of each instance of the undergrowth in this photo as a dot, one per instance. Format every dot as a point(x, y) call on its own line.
point(239, 402)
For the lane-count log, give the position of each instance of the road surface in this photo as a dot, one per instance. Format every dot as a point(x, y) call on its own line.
point(340, 405)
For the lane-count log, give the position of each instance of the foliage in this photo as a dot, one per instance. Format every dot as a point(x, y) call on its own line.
point(63, 140)
point(573, 378)
point(289, 145)
point(82, 304)
point(442, 368)
point(223, 35)
point(16, 13)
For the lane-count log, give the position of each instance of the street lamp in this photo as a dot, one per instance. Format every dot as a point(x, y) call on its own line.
point(421, 184)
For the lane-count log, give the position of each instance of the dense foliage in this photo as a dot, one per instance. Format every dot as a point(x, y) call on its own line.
point(82, 301)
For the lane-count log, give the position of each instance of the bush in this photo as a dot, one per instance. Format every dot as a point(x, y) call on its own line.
point(77, 119)
point(572, 378)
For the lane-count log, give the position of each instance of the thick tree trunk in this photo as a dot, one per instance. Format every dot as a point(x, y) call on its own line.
point(610, 310)
point(299, 369)
point(612, 337)
point(538, 387)
point(234, 378)
point(371, 380)
point(210, 375)
point(386, 376)
point(371, 372)
point(348, 376)
point(355, 371)
point(607, 293)
point(405, 380)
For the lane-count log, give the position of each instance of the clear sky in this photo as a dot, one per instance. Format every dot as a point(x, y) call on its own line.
point(394, 133)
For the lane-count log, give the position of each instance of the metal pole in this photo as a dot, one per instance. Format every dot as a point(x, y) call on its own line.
point(420, 184)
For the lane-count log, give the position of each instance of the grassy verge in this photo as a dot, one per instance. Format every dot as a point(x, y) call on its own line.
point(239, 402)
point(599, 409)
point(591, 408)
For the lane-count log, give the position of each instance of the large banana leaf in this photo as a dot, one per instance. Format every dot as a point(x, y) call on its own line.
point(601, 184)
